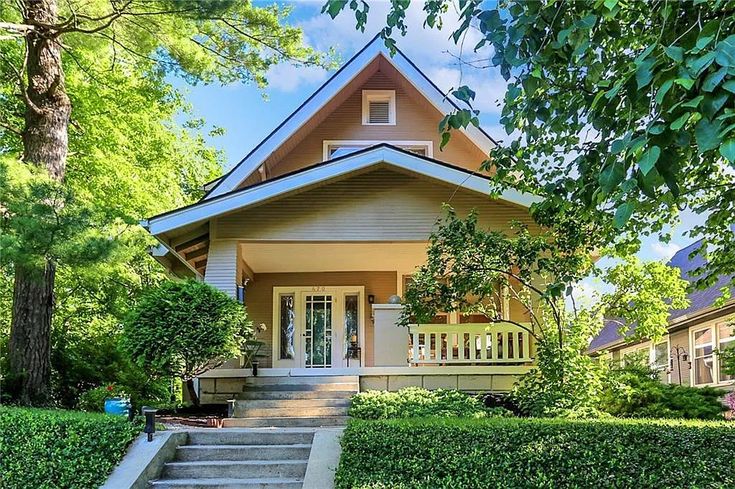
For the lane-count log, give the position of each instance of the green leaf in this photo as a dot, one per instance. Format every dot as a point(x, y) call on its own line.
point(680, 121)
point(649, 159)
point(644, 72)
point(693, 103)
point(698, 65)
point(663, 90)
point(617, 146)
point(714, 79)
point(727, 150)
point(687, 83)
point(674, 52)
point(729, 86)
point(706, 133)
point(334, 7)
point(725, 51)
point(610, 4)
point(464, 93)
point(611, 175)
point(445, 140)
point(623, 213)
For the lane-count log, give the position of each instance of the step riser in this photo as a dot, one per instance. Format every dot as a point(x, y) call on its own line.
point(305, 412)
point(295, 395)
point(351, 387)
point(335, 379)
point(234, 470)
point(217, 437)
point(284, 422)
point(228, 485)
point(291, 403)
point(263, 452)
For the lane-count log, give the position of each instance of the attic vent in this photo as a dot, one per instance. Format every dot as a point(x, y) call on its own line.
point(379, 112)
point(379, 107)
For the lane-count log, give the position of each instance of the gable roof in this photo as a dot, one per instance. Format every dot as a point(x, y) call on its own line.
point(329, 90)
point(379, 154)
point(699, 299)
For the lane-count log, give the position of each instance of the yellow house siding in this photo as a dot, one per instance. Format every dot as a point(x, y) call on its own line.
point(376, 206)
point(415, 121)
point(259, 299)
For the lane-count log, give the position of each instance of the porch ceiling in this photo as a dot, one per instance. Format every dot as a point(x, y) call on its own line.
point(332, 257)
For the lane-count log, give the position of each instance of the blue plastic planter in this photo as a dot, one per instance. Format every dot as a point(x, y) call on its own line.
point(117, 406)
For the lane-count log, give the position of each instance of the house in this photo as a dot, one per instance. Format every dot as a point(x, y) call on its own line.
point(687, 354)
point(319, 228)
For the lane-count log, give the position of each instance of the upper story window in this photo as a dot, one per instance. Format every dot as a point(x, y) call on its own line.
point(378, 107)
point(336, 148)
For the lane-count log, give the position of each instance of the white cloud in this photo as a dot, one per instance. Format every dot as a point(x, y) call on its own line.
point(289, 78)
point(488, 85)
point(664, 251)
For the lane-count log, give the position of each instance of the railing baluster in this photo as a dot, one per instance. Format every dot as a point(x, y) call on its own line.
point(415, 347)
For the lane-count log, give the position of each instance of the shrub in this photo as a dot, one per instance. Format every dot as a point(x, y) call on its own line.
point(184, 328)
point(417, 402)
point(60, 449)
point(636, 392)
point(536, 453)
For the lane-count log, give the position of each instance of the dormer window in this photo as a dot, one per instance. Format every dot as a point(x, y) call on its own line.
point(378, 107)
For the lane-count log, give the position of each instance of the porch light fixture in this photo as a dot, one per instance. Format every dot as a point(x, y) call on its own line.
point(371, 299)
point(394, 299)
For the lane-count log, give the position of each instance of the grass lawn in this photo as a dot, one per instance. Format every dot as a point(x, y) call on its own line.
point(436, 453)
point(44, 449)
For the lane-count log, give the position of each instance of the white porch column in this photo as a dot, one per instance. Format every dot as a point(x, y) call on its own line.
point(390, 342)
point(222, 266)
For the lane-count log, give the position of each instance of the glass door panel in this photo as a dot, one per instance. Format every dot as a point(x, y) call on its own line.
point(318, 331)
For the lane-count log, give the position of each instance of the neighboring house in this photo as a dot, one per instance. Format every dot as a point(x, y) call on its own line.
point(687, 354)
point(323, 223)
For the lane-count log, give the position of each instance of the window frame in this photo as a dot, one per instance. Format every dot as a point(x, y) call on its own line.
point(378, 96)
point(651, 347)
point(715, 329)
point(327, 145)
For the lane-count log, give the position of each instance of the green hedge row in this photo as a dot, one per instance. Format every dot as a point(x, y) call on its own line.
point(536, 453)
point(44, 449)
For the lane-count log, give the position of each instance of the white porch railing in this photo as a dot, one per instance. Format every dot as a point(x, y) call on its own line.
point(456, 344)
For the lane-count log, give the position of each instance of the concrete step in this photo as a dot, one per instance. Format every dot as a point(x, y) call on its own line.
point(197, 453)
point(332, 386)
point(295, 394)
point(313, 380)
point(294, 469)
point(250, 437)
point(245, 411)
point(292, 403)
point(284, 422)
point(223, 483)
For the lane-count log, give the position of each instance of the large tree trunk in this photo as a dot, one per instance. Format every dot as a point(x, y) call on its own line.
point(193, 396)
point(45, 145)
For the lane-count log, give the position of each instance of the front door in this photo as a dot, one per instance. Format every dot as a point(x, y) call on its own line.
point(318, 326)
point(318, 330)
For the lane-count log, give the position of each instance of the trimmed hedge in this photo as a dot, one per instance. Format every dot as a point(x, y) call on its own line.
point(536, 453)
point(412, 402)
point(60, 449)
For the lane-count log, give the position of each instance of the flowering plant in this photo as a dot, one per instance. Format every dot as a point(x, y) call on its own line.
point(730, 400)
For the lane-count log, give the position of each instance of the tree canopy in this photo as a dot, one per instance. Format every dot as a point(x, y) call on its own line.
point(618, 111)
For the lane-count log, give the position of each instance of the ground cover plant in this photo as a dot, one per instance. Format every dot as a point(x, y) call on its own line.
point(536, 453)
point(417, 402)
point(47, 449)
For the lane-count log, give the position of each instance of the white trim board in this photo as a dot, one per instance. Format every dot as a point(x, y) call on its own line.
point(208, 209)
point(329, 90)
point(365, 143)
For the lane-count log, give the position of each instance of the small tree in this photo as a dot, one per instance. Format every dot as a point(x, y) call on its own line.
point(470, 270)
point(183, 329)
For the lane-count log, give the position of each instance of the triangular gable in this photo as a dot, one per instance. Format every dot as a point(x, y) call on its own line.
point(274, 188)
point(327, 92)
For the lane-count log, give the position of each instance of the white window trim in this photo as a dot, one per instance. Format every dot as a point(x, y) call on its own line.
point(715, 327)
point(693, 358)
point(651, 353)
point(338, 292)
point(371, 95)
point(327, 143)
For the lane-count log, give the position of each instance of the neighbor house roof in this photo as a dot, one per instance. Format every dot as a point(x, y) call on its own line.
point(376, 47)
point(699, 299)
point(384, 153)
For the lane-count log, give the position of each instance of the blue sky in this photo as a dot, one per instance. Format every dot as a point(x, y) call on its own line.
point(247, 117)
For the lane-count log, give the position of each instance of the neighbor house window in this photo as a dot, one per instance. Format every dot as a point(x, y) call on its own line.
point(379, 107)
point(726, 340)
point(703, 361)
point(660, 356)
point(336, 149)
